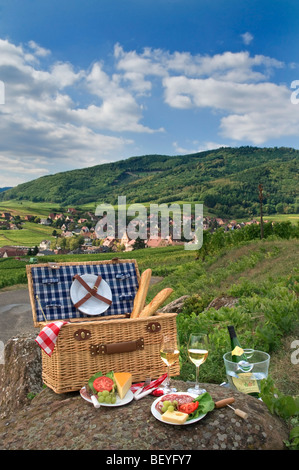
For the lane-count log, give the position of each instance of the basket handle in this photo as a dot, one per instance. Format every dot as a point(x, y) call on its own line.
point(113, 348)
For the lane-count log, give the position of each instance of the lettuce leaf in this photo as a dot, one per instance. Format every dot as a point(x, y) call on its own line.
point(205, 404)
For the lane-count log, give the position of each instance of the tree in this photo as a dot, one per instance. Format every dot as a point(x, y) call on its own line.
point(80, 239)
point(206, 245)
point(139, 243)
point(34, 251)
point(279, 208)
point(261, 197)
point(62, 243)
point(73, 244)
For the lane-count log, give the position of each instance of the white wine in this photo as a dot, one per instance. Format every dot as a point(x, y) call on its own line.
point(198, 350)
point(245, 382)
point(198, 356)
point(169, 356)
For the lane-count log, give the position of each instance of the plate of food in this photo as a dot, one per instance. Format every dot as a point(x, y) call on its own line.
point(118, 402)
point(112, 389)
point(182, 408)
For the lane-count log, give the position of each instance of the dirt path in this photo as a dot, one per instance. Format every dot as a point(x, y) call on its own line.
point(15, 313)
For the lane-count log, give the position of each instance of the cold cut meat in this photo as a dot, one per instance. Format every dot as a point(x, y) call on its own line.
point(181, 399)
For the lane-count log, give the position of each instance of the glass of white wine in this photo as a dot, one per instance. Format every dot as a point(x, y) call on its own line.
point(198, 350)
point(169, 352)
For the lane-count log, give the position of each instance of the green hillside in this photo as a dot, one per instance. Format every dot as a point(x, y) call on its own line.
point(225, 180)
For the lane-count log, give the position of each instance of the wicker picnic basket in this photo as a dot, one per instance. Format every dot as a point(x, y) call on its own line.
point(91, 343)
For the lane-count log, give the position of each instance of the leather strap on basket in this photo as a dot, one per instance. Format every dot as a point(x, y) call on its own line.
point(112, 348)
point(91, 291)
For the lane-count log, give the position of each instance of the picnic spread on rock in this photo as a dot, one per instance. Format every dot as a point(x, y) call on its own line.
point(98, 337)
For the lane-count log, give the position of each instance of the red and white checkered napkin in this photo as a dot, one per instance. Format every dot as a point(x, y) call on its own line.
point(153, 386)
point(48, 336)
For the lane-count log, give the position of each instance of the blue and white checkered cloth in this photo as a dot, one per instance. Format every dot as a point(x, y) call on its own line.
point(52, 286)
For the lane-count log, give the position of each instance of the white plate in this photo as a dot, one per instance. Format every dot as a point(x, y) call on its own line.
point(158, 415)
point(92, 306)
point(128, 398)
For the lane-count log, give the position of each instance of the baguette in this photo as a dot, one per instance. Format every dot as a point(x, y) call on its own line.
point(139, 301)
point(157, 301)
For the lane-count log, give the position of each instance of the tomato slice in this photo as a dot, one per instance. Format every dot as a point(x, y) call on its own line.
point(103, 383)
point(188, 407)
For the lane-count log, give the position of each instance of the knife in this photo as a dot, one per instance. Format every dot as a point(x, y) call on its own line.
point(94, 399)
point(147, 389)
point(143, 387)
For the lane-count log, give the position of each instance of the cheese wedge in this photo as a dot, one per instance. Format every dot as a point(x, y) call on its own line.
point(123, 382)
point(175, 417)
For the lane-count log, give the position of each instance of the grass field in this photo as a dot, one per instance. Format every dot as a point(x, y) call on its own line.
point(293, 218)
point(22, 208)
point(255, 261)
point(42, 209)
point(30, 235)
point(180, 269)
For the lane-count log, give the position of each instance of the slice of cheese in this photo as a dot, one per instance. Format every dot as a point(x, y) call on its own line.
point(176, 417)
point(123, 382)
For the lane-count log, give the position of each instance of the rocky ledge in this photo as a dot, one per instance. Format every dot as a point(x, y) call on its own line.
point(56, 422)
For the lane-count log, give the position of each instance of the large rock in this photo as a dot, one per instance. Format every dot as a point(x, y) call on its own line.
point(51, 421)
point(21, 373)
point(175, 306)
point(223, 301)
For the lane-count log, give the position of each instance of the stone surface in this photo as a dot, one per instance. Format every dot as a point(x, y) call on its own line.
point(56, 422)
point(68, 422)
point(224, 301)
point(21, 373)
point(175, 306)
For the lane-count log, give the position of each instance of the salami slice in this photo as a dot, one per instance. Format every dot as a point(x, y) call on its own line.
point(181, 399)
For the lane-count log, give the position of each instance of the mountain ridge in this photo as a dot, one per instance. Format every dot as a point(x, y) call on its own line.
point(225, 179)
point(5, 188)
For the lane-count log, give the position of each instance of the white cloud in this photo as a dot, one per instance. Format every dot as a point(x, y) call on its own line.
point(253, 112)
point(118, 111)
point(38, 50)
point(235, 84)
point(41, 116)
point(238, 66)
point(247, 38)
point(152, 62)
point(197, 147)
point(63, 75)
point(46, 127)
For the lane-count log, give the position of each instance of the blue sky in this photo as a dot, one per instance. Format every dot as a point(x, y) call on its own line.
point(91, 82)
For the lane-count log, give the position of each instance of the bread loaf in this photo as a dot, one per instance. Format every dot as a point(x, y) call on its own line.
point(141, 294)
point(157, 301)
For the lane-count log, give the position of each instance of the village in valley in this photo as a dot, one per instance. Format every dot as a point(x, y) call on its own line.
point(74, 232)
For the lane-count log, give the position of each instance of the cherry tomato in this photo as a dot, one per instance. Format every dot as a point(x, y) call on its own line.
point(103, 383)
point(188, 407)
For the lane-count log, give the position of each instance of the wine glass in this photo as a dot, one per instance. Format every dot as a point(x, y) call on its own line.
point(169, 352)
point(198, 350)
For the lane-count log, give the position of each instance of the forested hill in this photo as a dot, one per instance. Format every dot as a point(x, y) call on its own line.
point(5, 189)
point(226, 180)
